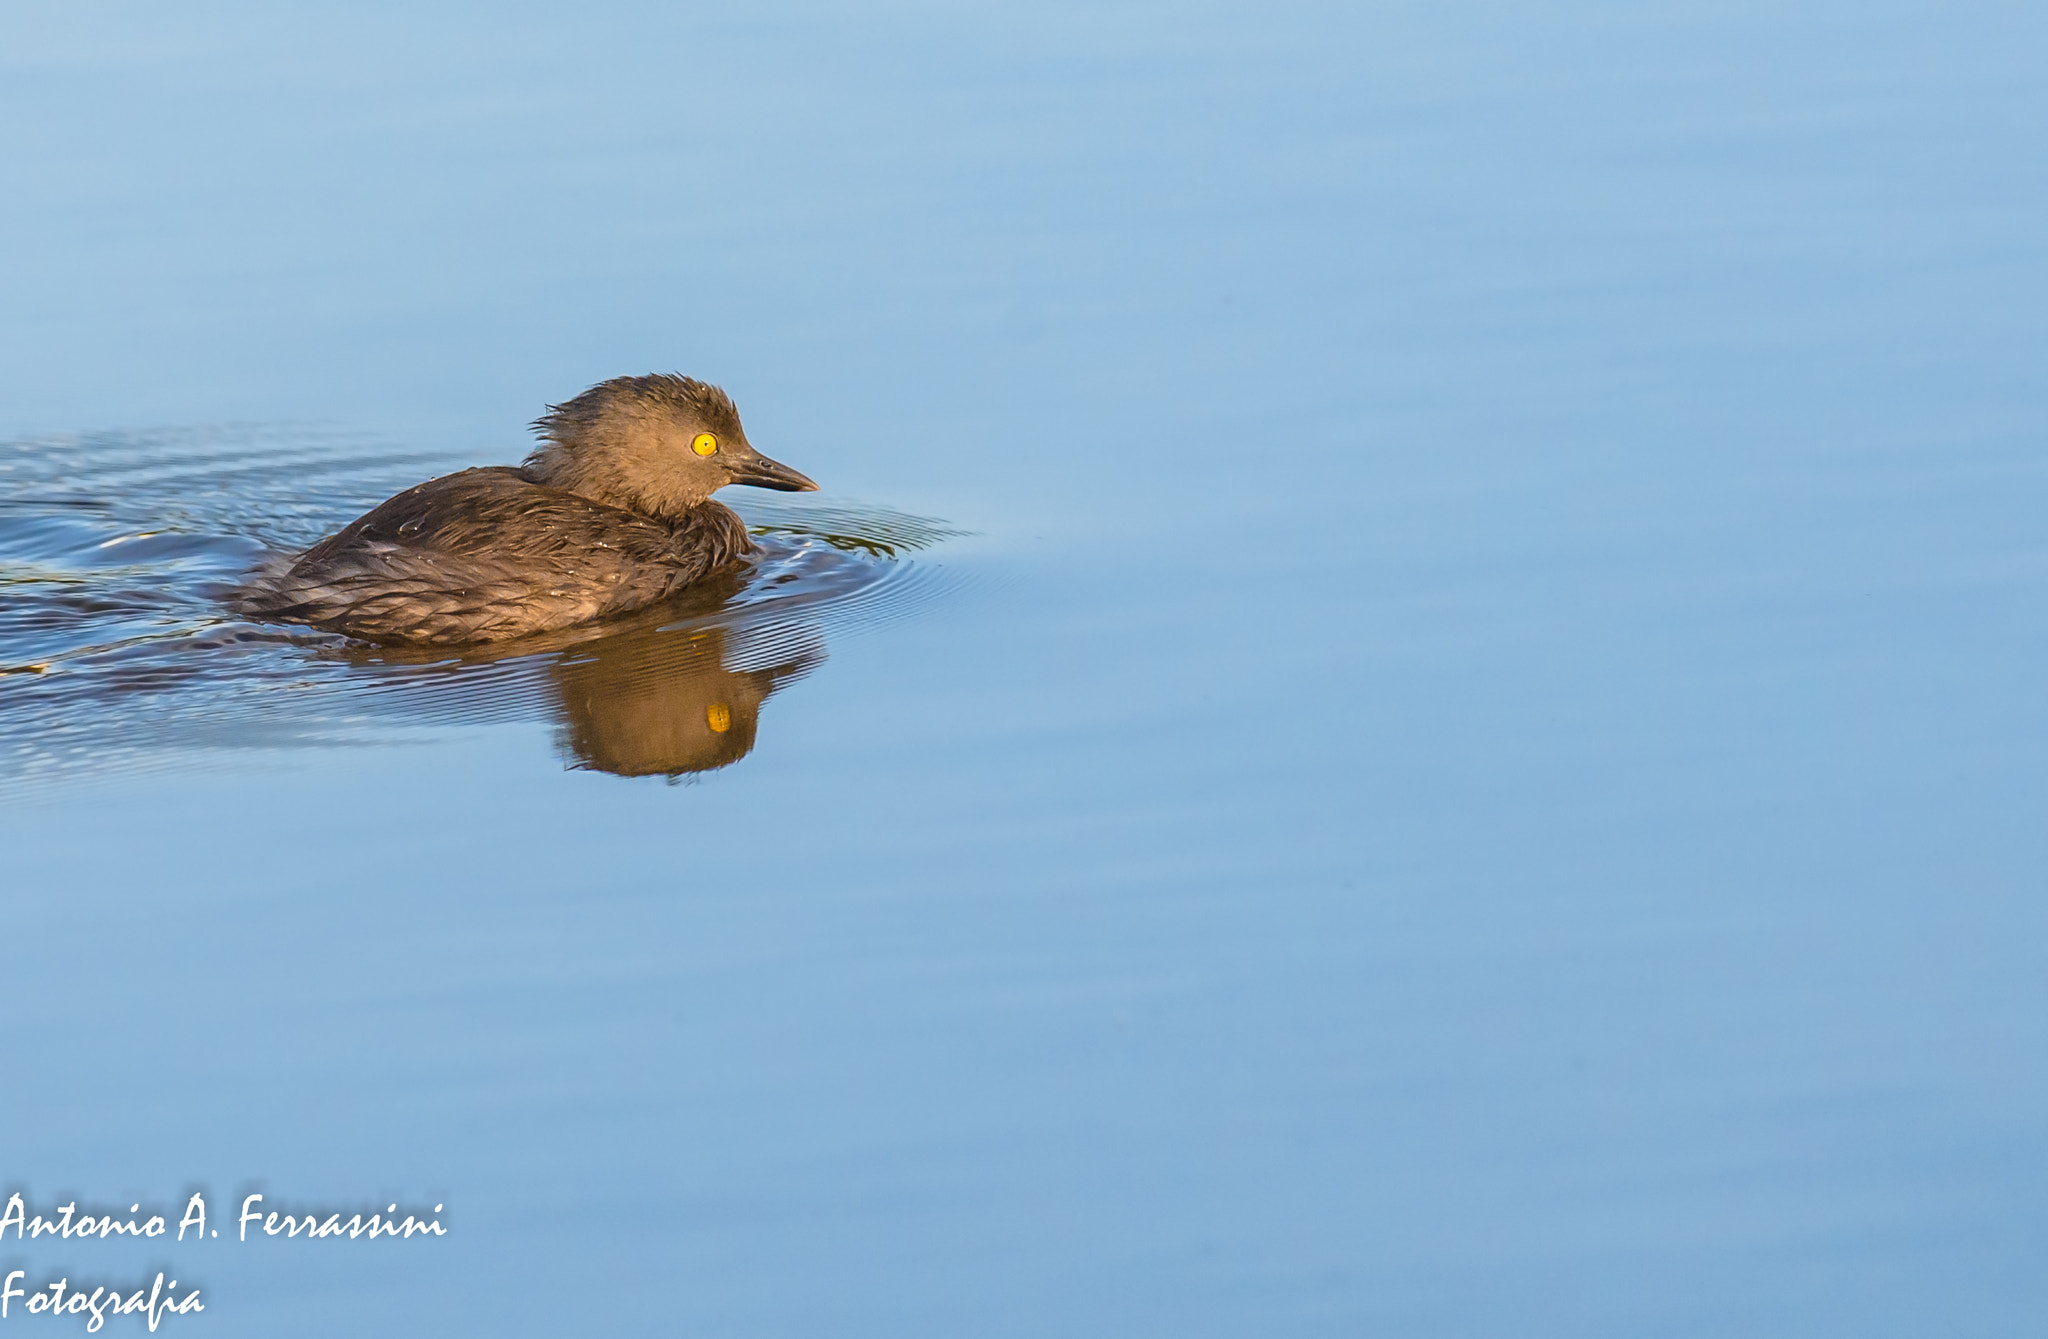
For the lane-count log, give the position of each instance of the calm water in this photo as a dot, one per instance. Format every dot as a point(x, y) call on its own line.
point(1412, 707)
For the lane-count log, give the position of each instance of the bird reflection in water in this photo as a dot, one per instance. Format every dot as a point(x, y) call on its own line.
point(670, 692)
point(666, 702)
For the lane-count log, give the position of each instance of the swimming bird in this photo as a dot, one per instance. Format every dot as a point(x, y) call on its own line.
point(610, 513)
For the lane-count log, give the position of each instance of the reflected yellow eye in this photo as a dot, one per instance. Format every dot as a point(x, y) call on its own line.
point(704, 444)
point(719, 717)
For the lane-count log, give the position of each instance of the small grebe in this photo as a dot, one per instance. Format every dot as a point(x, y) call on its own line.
point(612, 512)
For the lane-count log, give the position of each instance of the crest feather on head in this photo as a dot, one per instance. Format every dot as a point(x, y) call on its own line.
point(634, 397)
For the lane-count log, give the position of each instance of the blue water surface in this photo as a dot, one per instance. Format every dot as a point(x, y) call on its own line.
point(1456, 748)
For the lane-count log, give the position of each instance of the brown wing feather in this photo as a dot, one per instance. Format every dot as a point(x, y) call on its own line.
point(485, 555)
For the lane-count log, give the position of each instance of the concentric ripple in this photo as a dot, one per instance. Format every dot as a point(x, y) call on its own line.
point(116, 651)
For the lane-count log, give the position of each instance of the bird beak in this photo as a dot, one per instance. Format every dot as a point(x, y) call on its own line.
point(765, 473)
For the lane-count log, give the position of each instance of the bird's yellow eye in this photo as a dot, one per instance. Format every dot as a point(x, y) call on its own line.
point(704, 444)
point(719, 717)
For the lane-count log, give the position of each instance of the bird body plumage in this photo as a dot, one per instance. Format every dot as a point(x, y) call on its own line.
point(488, 554)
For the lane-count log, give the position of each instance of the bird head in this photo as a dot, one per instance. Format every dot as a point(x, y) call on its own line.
point(658, 445)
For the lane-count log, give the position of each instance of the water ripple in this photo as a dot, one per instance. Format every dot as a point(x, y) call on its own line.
point(116, 651)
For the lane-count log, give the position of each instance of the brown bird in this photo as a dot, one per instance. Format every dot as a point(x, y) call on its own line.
point(612, 512)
